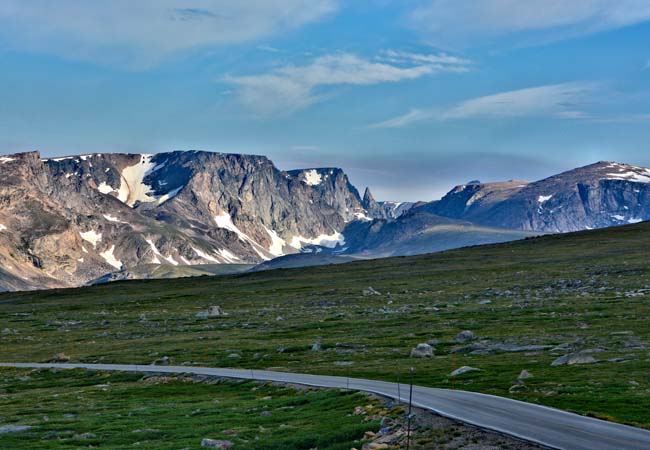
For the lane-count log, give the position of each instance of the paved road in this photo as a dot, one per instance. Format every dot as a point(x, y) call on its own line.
point(546, 426)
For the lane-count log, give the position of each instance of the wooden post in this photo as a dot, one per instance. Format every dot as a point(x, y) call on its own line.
point(408, 420)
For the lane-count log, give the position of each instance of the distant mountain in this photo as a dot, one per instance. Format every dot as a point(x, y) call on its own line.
point(73, 220)
point(595, 196)
point(67, 221)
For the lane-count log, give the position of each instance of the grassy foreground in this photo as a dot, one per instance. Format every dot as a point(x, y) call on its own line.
point(579, 292)
point(74, 409)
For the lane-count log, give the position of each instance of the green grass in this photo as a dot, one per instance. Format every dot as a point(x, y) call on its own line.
point(584, 290)
point(122, 411)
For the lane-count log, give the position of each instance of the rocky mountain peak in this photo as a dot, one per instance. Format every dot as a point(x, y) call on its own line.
point(68, 220)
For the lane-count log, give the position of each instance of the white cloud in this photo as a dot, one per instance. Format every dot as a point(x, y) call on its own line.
point(558, 100)
point(291, 88)
point(414, 115)
point(143, 32)
point(562, 101)
point(453, 21)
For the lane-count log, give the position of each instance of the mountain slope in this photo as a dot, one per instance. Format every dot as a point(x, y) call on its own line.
point(66, 221)
point(595, 196)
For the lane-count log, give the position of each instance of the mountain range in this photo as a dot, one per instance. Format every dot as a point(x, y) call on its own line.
point(69, 221)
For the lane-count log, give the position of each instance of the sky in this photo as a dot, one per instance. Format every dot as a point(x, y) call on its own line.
point(409, 97)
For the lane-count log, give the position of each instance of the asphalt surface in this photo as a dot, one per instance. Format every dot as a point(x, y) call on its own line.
point(545, 426)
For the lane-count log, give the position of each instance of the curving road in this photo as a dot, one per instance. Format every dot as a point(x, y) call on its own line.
point(539, 424)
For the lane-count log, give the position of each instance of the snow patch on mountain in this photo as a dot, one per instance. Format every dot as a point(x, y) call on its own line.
point(112, 219)
point(6, 159)
point(312, 177)
point(277, 243)
point(224, 221)
point(110, 258)
point(132, 187)
point(155, 251)
point(544, 198)
point(629, 173)
point(103, 187)
point(228, 256)
point(170, 259)
point(2, 227)
point(91, 236)
point(202, 254)
point(168, 196)
point(324, 240)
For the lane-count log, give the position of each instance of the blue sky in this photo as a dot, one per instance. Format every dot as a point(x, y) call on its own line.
point(408, 96)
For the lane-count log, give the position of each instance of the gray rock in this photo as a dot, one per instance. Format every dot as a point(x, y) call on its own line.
point(370, 291)
point(462, 370)
point(524, 374)
point(84, 436)
point(574, 358)
point(316, 347)
point(164, 361)
point(465, 336)
point(14, 429)
point(216, 443)
point(422, 351)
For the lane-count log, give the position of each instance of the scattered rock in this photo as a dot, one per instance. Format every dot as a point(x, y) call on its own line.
point(465, 336)
point(84, 436)
point(164, 361)
point(61, 357)
point(14, 429)
point(462, 370)
point(370, 291)
point(266, 414)
point(517, 388)
point(316, 347)
point(574, 358)
point(212, 311)
point(524, 375)
point(422, 351)
point(234, 356)
point(216, 443)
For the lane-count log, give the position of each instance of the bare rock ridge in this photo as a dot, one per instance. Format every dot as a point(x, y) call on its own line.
point(66, 221)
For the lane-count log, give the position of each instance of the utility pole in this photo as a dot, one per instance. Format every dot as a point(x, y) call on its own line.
point(408, 420)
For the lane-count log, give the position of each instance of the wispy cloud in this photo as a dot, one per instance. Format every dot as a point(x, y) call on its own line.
point(143, 32)
point(413, 116)
point(558, 100)
point(453, 21)
point(291, 88)
point(562, 101)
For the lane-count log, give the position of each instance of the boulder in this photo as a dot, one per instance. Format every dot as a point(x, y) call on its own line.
point(164, 361)
point(465, 336)
point(370, 291)
point(61, 357)
point(462, 370)
point(14, 429)
point(212, 311)
point(524, 375)
point(422, 351)
point(216, 443)
point(574, 358)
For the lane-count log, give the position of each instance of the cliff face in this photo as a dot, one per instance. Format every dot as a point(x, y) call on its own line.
point(66, 221)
